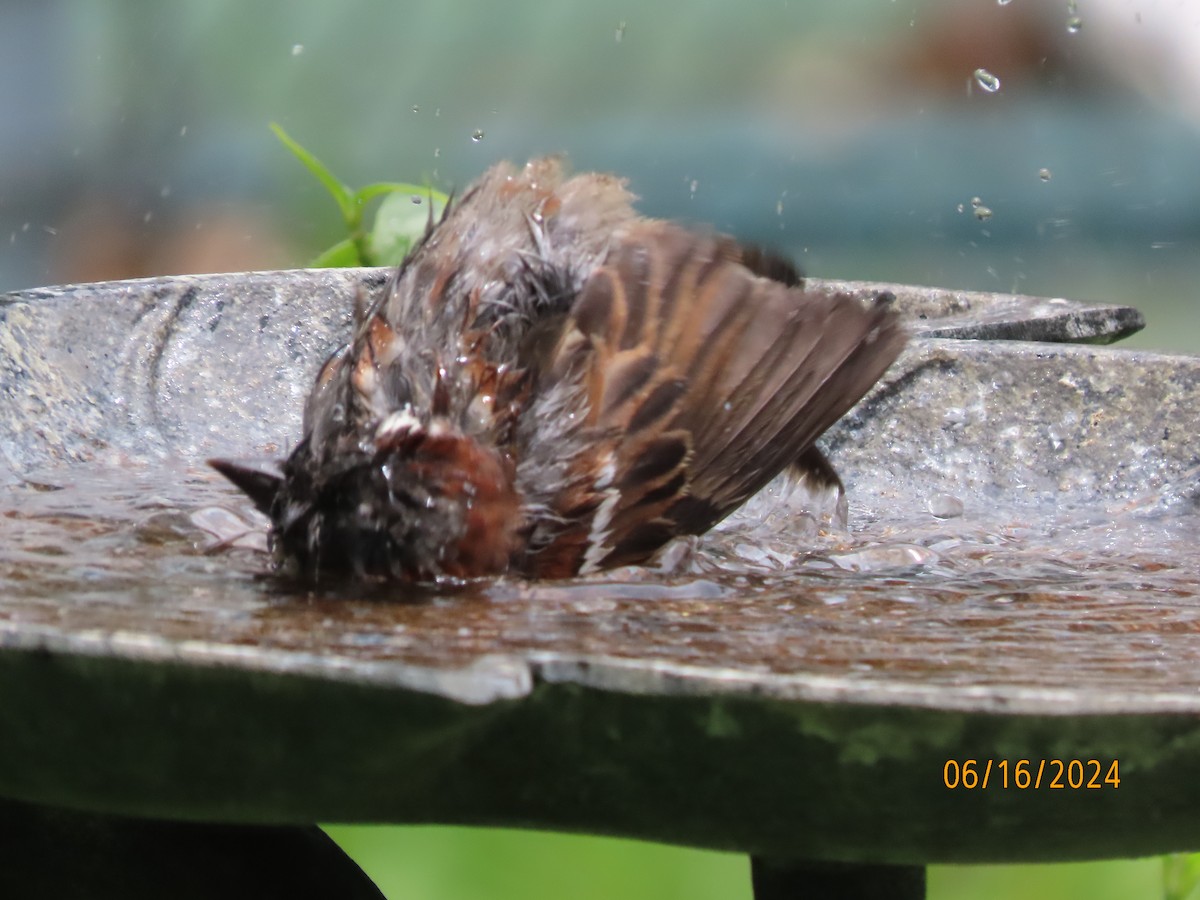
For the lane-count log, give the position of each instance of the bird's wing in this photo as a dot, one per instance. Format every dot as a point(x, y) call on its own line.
point(697, 381)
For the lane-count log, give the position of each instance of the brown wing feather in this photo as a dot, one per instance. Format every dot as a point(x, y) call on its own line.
point(702, 380)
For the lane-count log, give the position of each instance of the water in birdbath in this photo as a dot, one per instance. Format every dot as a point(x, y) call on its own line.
point(1097, 596)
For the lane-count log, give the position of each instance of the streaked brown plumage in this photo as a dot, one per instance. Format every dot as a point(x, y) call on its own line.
point(553, 385)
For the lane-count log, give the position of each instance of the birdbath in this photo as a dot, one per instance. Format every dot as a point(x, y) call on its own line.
point(997, 661)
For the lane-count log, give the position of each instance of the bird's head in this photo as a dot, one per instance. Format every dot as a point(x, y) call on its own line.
point(414, 500)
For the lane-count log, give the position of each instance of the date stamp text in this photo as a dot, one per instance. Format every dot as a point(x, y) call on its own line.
point(1031, 774)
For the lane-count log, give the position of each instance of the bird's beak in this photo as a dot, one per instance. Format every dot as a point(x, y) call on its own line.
point(260, 481)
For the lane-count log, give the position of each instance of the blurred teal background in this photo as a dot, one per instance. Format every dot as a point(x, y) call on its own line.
point(853, 134)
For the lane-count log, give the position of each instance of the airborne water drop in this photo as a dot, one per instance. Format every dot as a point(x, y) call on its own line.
point(987, 81)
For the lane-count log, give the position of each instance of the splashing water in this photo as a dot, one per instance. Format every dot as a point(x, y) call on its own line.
point(1102, 597)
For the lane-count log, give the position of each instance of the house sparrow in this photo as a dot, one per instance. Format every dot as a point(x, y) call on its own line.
point(553, 385)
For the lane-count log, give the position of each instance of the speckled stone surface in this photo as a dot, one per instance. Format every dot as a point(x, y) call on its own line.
point(214, 364)
point(983, 315)
point(1028, 424)
point(1052, 615)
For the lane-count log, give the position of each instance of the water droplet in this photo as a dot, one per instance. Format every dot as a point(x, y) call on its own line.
point(987, 81)
point(297, 49)
point(983, 213)
point(416, 108)
point(945, 506)
point(1074, 22)
point(183, 131)
point(873, 559)
point(620, 31)
point(437, 151)
point(416, 200)
point(693, 186)
point(976, 203)
point(1004, 2)
point(1044, 174)
point(477, 135)
point(960, 207)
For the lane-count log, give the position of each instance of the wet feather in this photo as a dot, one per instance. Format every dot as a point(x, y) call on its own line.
point(552, 384)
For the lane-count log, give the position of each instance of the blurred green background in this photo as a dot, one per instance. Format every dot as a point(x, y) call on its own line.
point(436, 863)
point(853, 134)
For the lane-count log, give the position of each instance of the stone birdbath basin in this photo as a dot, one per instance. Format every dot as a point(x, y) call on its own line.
point(998, 661)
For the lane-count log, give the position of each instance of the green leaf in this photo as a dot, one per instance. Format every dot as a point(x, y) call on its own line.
point(1181, 875)
point(343, 254)
point(362, 195)
point(351, 209)
point(401, 222)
